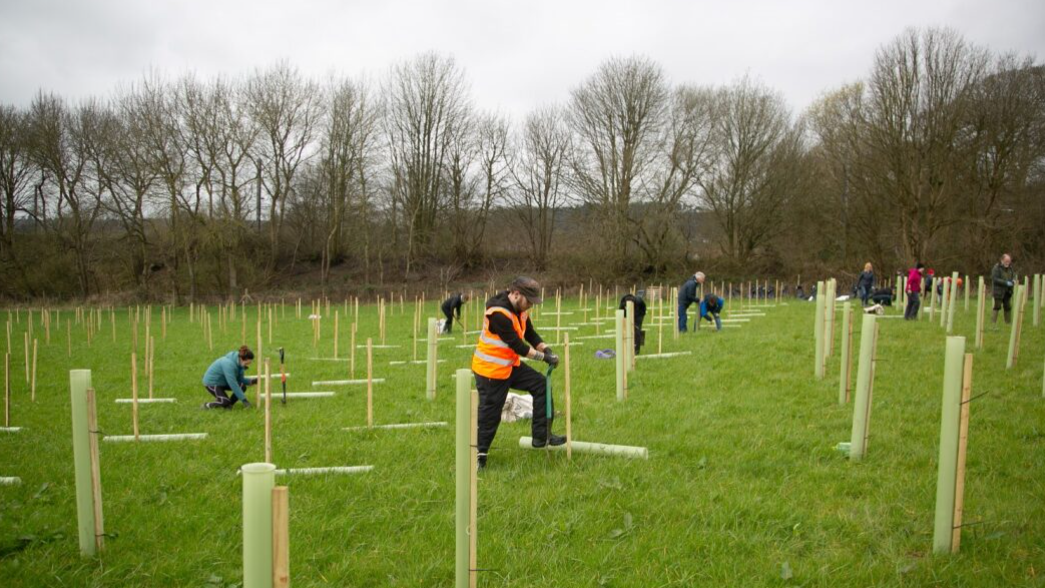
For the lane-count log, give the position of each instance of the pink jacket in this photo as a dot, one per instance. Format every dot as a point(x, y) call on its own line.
point(914, 280)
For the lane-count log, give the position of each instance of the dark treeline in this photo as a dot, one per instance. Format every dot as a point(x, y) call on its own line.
point(187, 188)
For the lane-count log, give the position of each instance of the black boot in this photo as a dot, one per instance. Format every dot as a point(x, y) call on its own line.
point(554, 440)
point(480, 462)
point(1008, 316)
point(994, 317)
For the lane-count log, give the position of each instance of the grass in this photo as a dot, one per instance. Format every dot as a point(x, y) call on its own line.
point(742, 488)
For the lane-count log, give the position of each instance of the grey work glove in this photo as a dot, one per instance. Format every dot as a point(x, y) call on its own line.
point(1009, 283)
point(550, 358)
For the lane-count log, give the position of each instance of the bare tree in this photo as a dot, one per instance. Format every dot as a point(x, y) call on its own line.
point(749, 181)
point(425, 101)
point(1007, 126)
point(617, 117)
point(542, 152)
point(920, 94)
point(682, 159)
point(477, 175)
point(16, 172)
point(221, 137)
point(348, 143)
point(61, 145)
point(287, 108)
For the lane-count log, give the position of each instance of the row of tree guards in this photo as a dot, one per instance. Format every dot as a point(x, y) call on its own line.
point(950, 484)
point(957, 387)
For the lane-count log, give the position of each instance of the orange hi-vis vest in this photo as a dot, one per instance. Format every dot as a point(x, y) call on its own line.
point(493, 358)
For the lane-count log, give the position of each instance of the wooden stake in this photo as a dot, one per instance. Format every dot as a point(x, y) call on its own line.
point(963, 441)
point(7, 389)
point(258, 350)
point(352, 354)
point(337, 330)
point(33, 388)
point(27, 356)
point(280, 537)
point(152, 362)
point(268, 413)
point(369, 382)
point(96, 471)
point(134, 392)
point(566, 395)
point(870, 387)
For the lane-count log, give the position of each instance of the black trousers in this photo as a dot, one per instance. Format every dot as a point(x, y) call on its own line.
point(449, 320)
point(1005, 300)
point(493, 393)
point(913, 303)
point(221, 396)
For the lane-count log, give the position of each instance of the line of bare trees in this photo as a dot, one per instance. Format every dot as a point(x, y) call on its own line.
point(187, 187)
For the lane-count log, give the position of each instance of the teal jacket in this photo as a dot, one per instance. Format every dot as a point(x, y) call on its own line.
point(227, 371)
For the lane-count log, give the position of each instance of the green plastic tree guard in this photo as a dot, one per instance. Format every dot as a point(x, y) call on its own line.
point(945, 299)
point(1017, 318)
point(821, 298)
point(258, 481)
point(950, 416)
point(846, 365)
point(79, 382)
point(862, 399)
point(463, 494)
point(596, 448)
point(829, 320)
point(1036, 308)
point(952, 303)
point(981, 300)
point(966, 287)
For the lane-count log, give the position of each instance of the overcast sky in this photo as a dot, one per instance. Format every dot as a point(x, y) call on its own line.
point(517, 55)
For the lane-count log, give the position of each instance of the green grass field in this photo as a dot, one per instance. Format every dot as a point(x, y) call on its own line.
point(743, 486)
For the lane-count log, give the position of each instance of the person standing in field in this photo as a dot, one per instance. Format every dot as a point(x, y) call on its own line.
point(508, 336)
point(1003, 280)
point(688, 295)
point(865, 283)
point(226, 375)
point(914, 289)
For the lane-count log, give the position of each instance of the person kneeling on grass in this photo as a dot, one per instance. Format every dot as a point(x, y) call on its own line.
point(710, 307)
point(225, 375)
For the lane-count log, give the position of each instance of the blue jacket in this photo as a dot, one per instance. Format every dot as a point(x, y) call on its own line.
point(704, 308)
point(227, 371)
point(688, 292)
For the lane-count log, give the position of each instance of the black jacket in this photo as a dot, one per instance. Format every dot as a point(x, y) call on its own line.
point(688, 292)
point(453, 305)
point(640, 308)
point(501, 326)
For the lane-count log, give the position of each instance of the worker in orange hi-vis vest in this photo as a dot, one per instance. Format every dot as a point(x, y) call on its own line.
point(507, 336)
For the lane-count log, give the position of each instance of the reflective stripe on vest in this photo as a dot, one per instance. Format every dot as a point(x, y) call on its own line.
point(493, 358)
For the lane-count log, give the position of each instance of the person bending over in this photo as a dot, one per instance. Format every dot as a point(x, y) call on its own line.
point(710, 308)
point(640, 315)
point(452, 306)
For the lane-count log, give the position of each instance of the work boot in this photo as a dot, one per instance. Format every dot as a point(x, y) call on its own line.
point(994, 317)
point(1008, 316)
point(554, 441)
point(480, 462)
